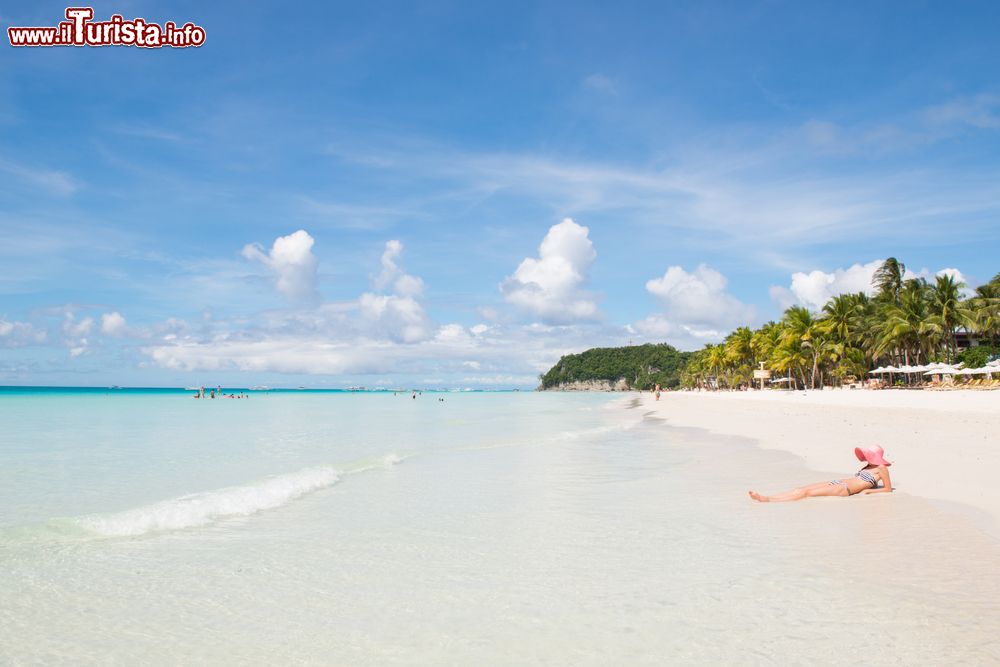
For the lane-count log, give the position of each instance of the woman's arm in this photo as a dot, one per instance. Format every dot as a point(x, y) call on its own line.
point(883, 474)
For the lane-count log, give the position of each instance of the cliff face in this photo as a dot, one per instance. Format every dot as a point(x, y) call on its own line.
point(589, 385)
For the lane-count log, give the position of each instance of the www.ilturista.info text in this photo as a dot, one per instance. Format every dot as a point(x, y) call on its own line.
point(80, 30)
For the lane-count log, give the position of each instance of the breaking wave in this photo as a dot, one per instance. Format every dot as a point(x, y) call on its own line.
point(199, 509)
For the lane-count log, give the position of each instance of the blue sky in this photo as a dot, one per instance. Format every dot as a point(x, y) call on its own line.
point(453, 194)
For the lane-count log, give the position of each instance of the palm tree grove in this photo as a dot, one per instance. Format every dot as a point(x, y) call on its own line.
point(906, 321)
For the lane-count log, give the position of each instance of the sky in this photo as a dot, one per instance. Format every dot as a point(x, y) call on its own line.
point(454, 194)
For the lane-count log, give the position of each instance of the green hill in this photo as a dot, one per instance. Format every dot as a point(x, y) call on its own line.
point(640, 366)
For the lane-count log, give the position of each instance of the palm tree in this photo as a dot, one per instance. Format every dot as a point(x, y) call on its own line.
point(888, 279)
point(908, 328)
point(802, 328)
point(946, 304)
point(985, 310)
point(715, 361)
point(739, 352)
point(842, 315)
point(693, 374)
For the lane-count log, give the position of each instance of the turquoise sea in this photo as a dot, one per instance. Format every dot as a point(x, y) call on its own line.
point(296, 527)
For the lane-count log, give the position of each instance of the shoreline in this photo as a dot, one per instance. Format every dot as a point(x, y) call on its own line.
point(943, 445)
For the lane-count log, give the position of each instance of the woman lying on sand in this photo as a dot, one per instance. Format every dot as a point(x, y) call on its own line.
point(865, 480)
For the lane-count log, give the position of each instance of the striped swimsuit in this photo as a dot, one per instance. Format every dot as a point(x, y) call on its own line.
point(861, 474)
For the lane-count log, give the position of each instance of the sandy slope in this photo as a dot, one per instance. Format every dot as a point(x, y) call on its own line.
point(945, 446)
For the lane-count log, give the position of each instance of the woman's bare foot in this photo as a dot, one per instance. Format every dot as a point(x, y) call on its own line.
point(756, 496)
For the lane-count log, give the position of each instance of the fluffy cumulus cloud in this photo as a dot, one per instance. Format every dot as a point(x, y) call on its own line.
point(393, 277)
point(550, 287)
point(386, 333)
point(19, 334)
point(396, 312)
point(815, 288)
point(292, 261)
point(699, 298)
point(696, 308)
point(400, 318)
point(74, 328)
point(75, 333)
point(113, 324)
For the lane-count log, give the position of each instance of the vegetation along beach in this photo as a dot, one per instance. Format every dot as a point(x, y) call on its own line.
point(475, 334)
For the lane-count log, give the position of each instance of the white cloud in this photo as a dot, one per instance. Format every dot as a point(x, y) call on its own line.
point(697, 309)
point(449, 349)
point(398, 316)
point(699, 299)
point(340, 340)
point(815, 288)
point(661, 328)
point(958, 277)
point(401, 318)
point(550, 286)
point(19, 334)
point(74, 329)
point(75, 333)
point(113, 324)
point(292, 261)
point(393, 276)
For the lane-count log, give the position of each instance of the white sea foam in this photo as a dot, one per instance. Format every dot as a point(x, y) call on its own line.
point(386, 461)
point(199, 509)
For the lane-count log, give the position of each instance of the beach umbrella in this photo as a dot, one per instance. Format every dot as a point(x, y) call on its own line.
point(777, 380)
point(877, 371)
point(942, 369)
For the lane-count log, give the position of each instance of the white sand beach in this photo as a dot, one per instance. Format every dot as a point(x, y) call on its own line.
point(945, 446)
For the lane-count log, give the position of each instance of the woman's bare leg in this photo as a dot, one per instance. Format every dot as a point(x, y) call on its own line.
point(812, 490)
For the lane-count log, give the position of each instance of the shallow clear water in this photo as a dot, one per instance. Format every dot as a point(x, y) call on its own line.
point(482, 529)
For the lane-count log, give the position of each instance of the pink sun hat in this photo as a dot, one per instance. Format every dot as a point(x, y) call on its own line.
point(874, 455)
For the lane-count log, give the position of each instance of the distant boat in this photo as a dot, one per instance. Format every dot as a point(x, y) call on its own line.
point(192, 388)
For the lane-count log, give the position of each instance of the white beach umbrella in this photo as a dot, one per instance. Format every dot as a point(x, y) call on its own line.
point(877, 371)
point(891, 369)
point(777, 380)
